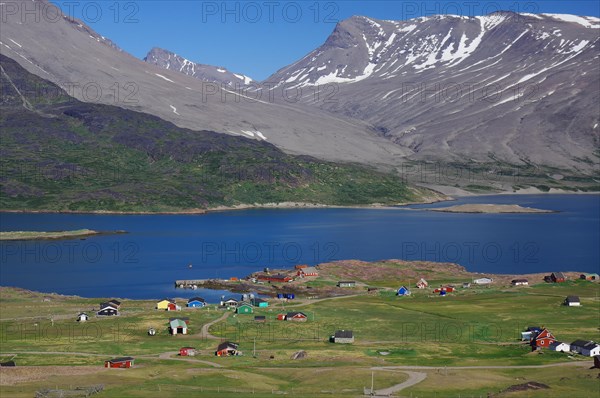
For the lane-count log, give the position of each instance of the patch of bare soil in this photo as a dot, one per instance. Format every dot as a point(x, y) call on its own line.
point(23, 374)
point(392, 269)
point(530, 385)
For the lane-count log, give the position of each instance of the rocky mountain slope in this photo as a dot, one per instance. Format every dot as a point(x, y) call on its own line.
point(493, 91)
point(515, 88)
point(92, 70)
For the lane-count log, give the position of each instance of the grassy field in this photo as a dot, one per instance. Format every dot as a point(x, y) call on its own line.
point(471, 328)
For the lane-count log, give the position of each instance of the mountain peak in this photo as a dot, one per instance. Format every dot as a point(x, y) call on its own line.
point(169, 60)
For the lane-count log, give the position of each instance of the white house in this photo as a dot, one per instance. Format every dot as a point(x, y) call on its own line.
point(483, 281)
point(82, 317)
point(520, 282)
point(572, 301)
point(586, 348)
point(560, 346)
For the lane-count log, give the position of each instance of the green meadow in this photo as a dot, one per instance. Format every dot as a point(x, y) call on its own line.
point(473, 327)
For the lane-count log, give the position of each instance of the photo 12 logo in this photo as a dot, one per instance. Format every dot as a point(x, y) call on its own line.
point(269, 11)
point(415, 9)
point(68, 252)
point(89, 12)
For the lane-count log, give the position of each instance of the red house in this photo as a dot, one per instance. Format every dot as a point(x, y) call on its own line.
point(296, 316)
point(123, 362)
point(281, 317)
point(447, 289)
point(544, 339)
point(274, 278)
point(558, 277)
point(187, 351)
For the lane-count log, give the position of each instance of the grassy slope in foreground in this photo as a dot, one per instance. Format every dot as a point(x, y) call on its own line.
point(61, 154)
point(472, 327)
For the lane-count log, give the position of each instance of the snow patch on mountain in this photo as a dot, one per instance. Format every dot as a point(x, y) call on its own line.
point(165, 78)
point(588, 22)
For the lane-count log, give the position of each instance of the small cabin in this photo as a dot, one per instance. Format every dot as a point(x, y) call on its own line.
point(167, 305)
point(483, 281)
point(257, 302)
point(187, 352)
point(560, 346)
point(590, 277)
point(519, 282)
point(586, 348)
point(403, 291)
point(558, 277)
point(82, 317)
point(229, 303)
point(116, 303)
point(307, 271)
point(422, 283)
point(296, 317)
point(178, 326)
point(107, 309)
point(123, 362)
point(260, 318)
point(572, 301)
point(244, 309)
point(196, 302)
point(343, 337)
point(346, 284)
point(227, 349)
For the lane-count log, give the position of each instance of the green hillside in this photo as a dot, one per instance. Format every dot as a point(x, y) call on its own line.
point(62, 154)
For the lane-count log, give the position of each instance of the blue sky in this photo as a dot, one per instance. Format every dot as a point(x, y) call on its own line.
point(259, 37)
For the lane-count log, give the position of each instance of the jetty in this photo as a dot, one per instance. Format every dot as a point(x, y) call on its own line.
point(190, 284)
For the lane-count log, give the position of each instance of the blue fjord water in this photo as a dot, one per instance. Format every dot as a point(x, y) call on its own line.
point(159, 248)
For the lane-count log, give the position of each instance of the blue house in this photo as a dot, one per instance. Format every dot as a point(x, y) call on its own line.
point(403, 291)
point(196, 302)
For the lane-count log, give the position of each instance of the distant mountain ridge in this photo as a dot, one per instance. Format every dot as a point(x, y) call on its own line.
point(520, 88)
point(487, 91)
point(168, 60)
point(92, 70)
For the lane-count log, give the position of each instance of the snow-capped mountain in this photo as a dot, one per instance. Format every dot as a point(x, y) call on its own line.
point(520, 88)
point(168, 60)
point(89, 68)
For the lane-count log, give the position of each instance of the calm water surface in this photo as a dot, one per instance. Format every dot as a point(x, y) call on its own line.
point(158, 248)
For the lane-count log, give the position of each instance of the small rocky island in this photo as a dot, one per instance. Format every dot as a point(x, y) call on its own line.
point(40, 235)
point(490, 208)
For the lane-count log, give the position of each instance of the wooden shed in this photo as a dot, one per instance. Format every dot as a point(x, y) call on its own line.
point(122, 362)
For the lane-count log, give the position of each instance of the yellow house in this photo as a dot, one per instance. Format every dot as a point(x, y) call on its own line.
point(163, 304)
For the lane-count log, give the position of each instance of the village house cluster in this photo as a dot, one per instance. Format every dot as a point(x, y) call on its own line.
point(537, 337)
point(540, 337)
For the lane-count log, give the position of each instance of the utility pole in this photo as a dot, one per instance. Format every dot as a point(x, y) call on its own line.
point(254, 350)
